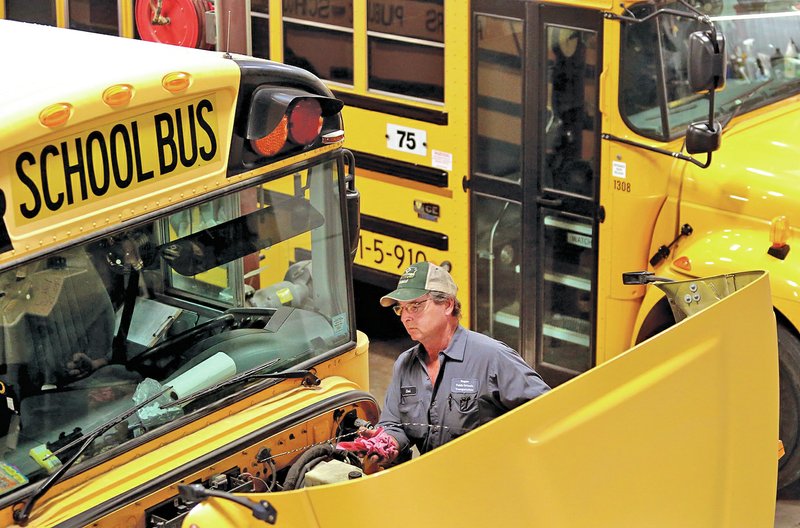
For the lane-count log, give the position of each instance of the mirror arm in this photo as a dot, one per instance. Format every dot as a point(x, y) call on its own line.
point(711, 109)
point(696, 15)
point(678, 155)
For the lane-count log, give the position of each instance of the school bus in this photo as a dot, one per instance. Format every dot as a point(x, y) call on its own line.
point(703, 455)
point(176, 301)
point(537, 148)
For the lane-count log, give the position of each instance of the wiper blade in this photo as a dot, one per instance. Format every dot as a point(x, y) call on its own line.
point(309, 380)
point(22, 516)
point(736, 105)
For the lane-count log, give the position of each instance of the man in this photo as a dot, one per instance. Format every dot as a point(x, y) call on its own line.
point(452, 381)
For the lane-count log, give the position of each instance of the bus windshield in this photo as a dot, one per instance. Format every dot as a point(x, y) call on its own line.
point(763, 64)
point(180, 304)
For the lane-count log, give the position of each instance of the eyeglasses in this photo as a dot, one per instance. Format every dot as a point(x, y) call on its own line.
point(412, 308)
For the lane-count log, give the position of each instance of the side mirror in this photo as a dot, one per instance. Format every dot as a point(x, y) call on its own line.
point(700, 138)
point(707, 61)
point(352, 204)
point(707, 67)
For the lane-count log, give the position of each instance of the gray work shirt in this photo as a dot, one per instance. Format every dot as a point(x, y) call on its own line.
point(479, 379)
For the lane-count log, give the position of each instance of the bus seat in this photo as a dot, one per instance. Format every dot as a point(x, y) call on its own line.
point(50, 313)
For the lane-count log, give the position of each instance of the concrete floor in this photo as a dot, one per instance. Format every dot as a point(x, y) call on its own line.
point(384, 350)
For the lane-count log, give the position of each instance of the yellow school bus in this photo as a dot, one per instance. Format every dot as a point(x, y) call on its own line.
point(537, 148)
point(176, 301)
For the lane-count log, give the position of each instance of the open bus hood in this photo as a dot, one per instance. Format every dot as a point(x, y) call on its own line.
point(681, 430)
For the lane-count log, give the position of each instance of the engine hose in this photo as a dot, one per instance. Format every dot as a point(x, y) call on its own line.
point(306, 463)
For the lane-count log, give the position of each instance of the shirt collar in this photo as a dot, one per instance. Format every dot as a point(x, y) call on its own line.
point(455, 350)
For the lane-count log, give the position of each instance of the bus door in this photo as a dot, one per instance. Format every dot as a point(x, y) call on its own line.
point(534, 180)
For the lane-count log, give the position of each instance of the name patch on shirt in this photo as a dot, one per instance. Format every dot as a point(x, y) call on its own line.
point(407, 391)
point(464, 386)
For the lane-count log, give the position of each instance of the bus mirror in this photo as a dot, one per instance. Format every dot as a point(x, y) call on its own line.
point(707, 61)
point(701, 139)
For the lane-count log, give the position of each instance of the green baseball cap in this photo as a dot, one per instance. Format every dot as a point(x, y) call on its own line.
point(419, 279)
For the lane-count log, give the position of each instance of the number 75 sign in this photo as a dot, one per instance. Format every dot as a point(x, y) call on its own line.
point(411, 140)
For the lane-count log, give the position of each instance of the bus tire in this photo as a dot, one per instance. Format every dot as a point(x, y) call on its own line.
point(789, 367)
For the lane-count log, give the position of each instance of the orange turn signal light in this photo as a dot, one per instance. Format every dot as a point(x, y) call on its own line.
point(273, 142)
point(683, 263)
point(778, 235)
point(779, 231)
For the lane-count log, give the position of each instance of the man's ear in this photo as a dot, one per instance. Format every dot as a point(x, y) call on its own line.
point(451, 305)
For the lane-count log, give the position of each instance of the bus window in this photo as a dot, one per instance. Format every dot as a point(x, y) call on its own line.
point(498, 285)
point(319, 38)
point(762, 66)
point(259, 26)
point(98, 16)
point(34, 11)
point(406, 48)
point(571, 111)
point(499, 99)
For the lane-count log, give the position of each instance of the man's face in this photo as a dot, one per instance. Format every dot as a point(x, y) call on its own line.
point(423, 318)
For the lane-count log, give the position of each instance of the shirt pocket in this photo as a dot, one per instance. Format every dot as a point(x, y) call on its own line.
point(463, 404)
point(462, 415)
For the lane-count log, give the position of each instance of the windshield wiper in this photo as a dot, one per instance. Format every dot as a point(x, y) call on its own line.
point(309, 380)
point(22, 516)
point(740, 102)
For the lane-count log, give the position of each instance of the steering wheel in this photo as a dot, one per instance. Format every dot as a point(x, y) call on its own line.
point(219, 323)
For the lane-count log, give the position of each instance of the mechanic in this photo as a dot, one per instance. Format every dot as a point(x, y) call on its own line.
point(451, 382)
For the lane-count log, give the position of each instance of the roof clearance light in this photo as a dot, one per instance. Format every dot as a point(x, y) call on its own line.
point(778, 235)
point(118, 95)
point(55, 115)
point(305, 121)
point(176, 82)
point(273, 142)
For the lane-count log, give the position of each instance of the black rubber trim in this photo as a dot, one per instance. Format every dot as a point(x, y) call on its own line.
point(435, 117)
point(423, 237)
point(401, 169)
point(214, 457)
point(381, 279)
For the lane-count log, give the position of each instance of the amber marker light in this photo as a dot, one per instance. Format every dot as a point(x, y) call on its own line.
point(683, 263)
point(176, 82)
point(118, 95)
point(333, 137)
point(778, 235)
point(55, 115)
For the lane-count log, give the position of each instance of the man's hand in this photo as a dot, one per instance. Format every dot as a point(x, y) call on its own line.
point(378, 461)
point(82, 365)
point(378, 447)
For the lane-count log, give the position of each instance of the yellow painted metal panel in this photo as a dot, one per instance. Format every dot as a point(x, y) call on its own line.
point(679, 431)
